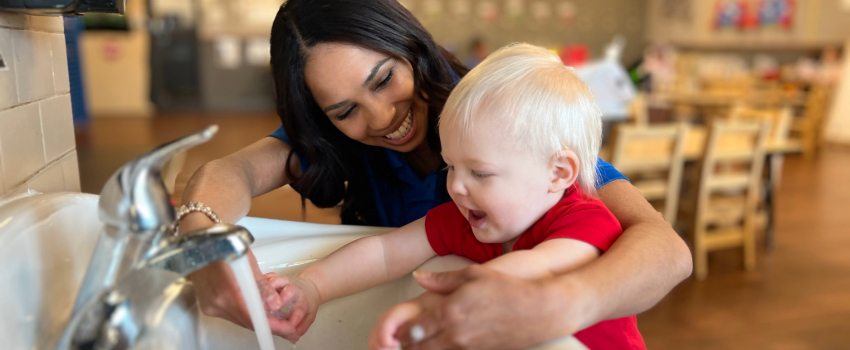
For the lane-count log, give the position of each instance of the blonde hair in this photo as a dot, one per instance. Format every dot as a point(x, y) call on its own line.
point(542, 104)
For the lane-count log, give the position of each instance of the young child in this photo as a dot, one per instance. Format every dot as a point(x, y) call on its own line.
point(520, 136)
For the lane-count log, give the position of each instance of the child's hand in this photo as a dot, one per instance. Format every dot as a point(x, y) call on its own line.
point(383, 335)
point(301, 297)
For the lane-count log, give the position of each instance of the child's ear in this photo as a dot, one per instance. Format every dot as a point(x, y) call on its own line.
point(564, 167)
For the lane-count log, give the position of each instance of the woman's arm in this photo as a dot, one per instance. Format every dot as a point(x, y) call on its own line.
point(642, 266)
point(227, 186)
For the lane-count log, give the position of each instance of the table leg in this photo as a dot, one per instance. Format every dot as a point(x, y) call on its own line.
point(774, 176)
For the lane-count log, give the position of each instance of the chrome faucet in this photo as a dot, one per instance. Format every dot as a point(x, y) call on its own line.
point(138, 267)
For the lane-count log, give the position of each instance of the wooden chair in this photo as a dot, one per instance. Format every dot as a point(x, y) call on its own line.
point(639, 110)
point(728, 196)
point(652, 157)
point(808, 126)
point(779, 121)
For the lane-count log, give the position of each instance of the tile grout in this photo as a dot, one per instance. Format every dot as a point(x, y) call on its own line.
point(31, 30)
point(34, 101)
point(44, 169)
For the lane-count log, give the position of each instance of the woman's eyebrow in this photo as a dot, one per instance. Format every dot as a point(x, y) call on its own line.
point(375, 71)
point(371, 76)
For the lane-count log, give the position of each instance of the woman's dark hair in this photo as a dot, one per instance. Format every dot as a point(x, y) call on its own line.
point(334, 159)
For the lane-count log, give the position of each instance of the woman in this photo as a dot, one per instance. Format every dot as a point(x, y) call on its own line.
point(360, 85)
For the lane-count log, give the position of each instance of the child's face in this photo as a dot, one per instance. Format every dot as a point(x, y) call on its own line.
point(500, 190)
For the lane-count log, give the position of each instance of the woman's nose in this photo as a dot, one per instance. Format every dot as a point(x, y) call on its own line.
point(381, 116)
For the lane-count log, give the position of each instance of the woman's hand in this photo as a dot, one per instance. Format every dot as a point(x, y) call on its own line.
point(219, 294)
point(383, 334)
point(486, 309)
point(302, 301)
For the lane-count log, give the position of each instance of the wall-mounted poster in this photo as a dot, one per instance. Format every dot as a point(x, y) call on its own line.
point(729, 14)
point(749, 15)
point(778, 13)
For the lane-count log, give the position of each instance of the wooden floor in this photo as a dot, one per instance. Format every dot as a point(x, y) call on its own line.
point(797, 298)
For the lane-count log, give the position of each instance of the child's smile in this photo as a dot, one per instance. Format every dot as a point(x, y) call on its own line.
point(500, 189)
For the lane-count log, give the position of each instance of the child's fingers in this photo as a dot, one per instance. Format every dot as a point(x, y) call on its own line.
point(271, 300)
point(290, 293)
point(277, 282)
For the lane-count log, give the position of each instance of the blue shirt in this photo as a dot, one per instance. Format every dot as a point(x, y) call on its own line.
point(400, 206)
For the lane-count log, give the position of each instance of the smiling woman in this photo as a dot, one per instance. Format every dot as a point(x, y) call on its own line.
point(378, 83)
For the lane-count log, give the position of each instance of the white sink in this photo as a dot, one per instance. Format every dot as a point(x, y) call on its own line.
point(46, 242)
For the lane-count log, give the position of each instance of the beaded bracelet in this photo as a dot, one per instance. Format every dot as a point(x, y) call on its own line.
point(193, 207)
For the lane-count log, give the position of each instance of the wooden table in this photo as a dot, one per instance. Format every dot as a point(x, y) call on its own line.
point(720, 99)
point(695, 146)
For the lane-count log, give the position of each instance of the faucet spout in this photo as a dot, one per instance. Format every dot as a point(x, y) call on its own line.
point(137, 211)
point(119, 317)
point(197, 249)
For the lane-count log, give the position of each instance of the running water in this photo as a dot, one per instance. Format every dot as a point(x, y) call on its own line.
point(245, 278)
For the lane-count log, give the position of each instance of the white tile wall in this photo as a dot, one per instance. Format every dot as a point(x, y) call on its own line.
point(2, 177)
point(50, 179)
point(12, 20)
point(33, 65)
point(37, 148)
point(57, 123)
point(8, 88)
point(60, 63)
point(21, 143)
point(71, 171)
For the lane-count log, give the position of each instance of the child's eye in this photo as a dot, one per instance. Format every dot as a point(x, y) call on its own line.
point(479, 174)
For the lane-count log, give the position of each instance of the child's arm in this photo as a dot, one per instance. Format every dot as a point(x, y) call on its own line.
point(357, 266)
point(370, 261)
point(548, 259)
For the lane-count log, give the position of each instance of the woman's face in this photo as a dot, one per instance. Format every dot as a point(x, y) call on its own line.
point(367, 95)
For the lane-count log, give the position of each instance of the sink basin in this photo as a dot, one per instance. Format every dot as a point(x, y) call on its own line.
point(46, 242)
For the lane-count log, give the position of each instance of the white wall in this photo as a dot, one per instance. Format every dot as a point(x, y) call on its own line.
point(837, 128)
point(37, 147)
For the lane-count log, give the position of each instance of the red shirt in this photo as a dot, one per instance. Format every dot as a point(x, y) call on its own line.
point(576, 217)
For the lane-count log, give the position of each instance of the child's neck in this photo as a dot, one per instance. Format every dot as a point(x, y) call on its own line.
point(508, 246)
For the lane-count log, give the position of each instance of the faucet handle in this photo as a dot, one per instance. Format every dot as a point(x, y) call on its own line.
point(135, 198)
